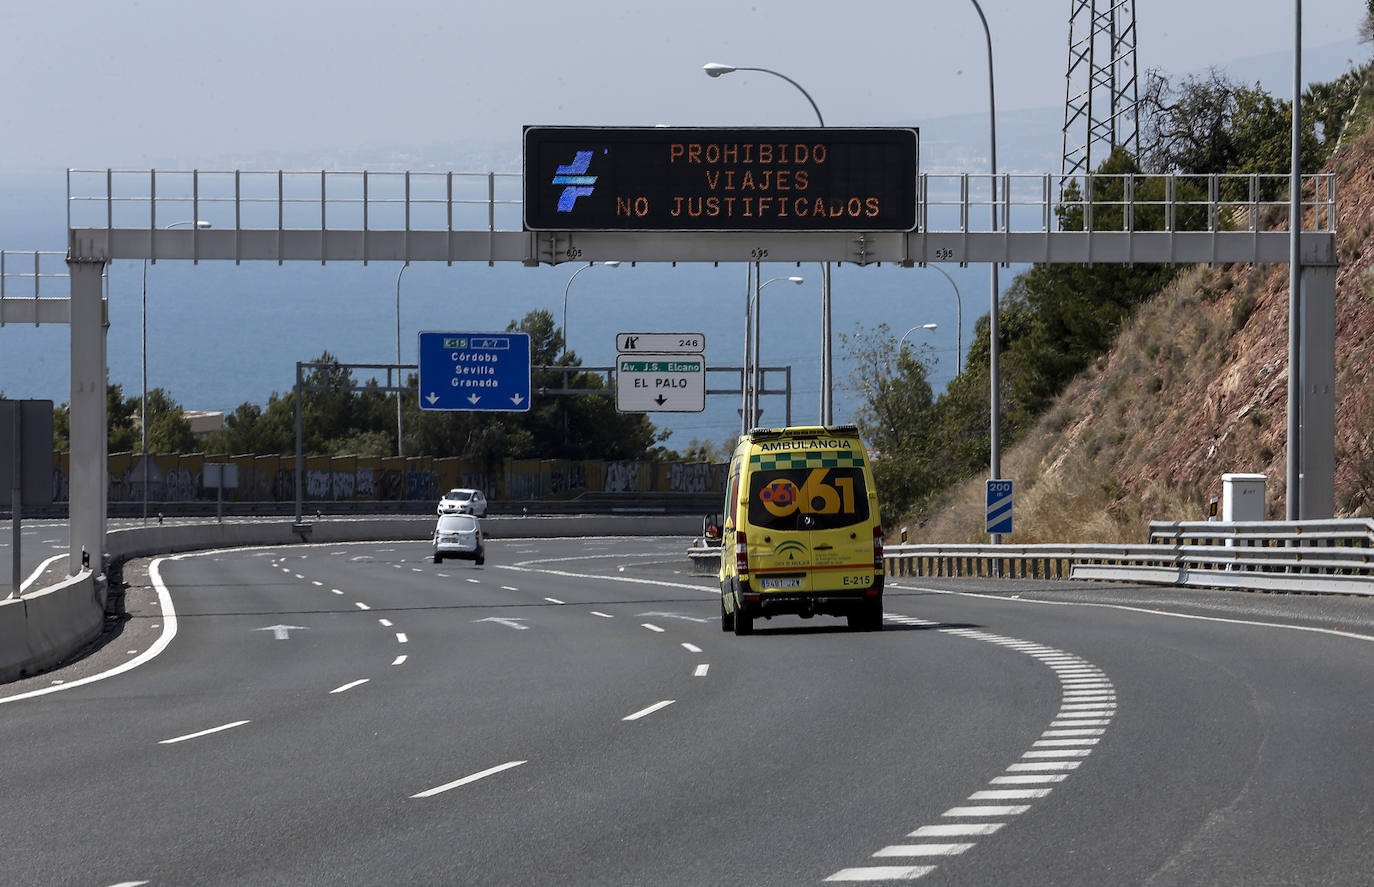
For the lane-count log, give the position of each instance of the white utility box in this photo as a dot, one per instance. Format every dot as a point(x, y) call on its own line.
point(1242, 497)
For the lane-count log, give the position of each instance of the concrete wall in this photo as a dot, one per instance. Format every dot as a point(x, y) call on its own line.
point(44, 627)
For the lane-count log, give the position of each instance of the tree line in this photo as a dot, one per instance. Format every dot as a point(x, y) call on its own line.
point(339, 421)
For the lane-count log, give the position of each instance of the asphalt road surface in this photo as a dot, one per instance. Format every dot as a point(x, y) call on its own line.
point(571, 713)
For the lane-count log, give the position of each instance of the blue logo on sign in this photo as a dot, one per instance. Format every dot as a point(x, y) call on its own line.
point(574, 176)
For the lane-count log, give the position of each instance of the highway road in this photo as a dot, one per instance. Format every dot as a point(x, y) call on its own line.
point(571, 713)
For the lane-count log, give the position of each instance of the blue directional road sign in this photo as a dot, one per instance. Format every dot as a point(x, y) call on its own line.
point(475, 371)
point(999, 507)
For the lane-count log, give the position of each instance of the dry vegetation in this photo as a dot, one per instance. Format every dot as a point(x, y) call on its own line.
point(1195, 386)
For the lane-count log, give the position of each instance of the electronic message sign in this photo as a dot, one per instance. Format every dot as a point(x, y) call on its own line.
point(700, 179)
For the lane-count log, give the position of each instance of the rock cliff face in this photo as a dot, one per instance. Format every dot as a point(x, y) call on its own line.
point(1195, 386)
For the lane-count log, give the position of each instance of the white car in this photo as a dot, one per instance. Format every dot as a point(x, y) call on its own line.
point(463, 501)
point(460, 536)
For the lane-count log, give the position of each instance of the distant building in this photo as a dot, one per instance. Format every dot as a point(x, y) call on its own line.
point(203, 422)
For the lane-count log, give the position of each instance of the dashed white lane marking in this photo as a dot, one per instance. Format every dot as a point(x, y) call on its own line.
point(131, 884)
point(401, 637)
point(701, 670)
point(553, 600)
point(336, 591)
point(349, 686)
point(509, 588)
point(691, 648)
point(602, 615)
point(361, 606)
point(648, 711)
point(491, 771)
point(316, 582)
point(197, 735)
point(1087, 706)
point(385, 623)
point(651, 627)
point(398, 660)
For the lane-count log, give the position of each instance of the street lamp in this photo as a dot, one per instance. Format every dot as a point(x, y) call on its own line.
point(611, 264)
point(995, 441)
point(958, 321)
point(716, 69)
point(143, 347)
point(758, 338)
point(400, 383)
point(924, 326)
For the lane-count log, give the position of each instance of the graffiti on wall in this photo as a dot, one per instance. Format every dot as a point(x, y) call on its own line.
point(696, 477)
point(622, 477)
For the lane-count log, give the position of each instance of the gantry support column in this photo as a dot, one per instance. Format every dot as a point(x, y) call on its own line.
point(89, 468)
point(1317, 384)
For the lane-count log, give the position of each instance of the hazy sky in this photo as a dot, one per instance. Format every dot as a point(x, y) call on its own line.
point(160, 82)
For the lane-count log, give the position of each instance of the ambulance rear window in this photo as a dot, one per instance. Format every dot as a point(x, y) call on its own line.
point(808, 498)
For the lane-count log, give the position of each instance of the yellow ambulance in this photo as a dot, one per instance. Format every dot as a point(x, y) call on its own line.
point(800, 529)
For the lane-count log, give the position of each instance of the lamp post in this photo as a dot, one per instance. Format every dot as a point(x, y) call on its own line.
point(995, 441)
point(958, 321)
point(143, 361)
point(827, 407)
point(758, 337)
point(611, 264)
point(399, 381)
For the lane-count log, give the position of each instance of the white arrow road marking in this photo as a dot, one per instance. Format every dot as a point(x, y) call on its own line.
point(512, 622)
point(467, 779)
point(648, 711)
point(202, 733)
point(677, 616)
point(349, 686)
point(283, 632)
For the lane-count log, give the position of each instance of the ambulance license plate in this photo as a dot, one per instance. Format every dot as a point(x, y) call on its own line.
point(782, 582)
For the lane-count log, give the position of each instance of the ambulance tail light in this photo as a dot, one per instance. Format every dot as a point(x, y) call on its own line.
point(741, 555)
point(878, 549)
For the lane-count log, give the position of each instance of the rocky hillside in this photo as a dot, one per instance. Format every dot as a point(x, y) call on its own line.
point(1195, 386)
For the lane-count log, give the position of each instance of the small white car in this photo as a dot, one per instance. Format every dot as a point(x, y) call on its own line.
point(464, 501)
point(460, 536)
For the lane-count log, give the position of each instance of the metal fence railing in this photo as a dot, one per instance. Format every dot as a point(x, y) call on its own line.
point(373, 200)
point(1335, 557)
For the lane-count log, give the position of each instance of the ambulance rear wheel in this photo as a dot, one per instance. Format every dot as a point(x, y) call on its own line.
point(744, 620)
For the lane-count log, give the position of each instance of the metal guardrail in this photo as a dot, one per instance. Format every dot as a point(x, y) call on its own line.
point(1325, 557)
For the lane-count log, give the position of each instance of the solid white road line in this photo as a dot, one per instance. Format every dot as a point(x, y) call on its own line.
point(219, 729)
point(648, 711)
point(467, 779)
point(349, 686)
point(169, 631)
